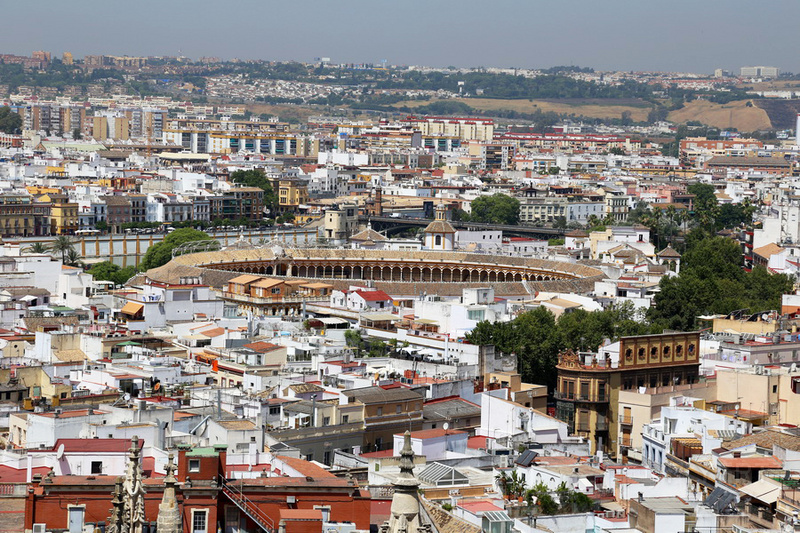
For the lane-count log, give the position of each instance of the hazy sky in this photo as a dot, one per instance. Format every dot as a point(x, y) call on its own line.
point(689, 35)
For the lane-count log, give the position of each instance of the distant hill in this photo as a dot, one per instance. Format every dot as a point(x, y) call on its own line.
point(736, 114)
point(782, 113)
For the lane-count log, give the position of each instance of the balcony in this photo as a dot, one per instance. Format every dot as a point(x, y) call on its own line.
point(625, 441)
point(626, 420)
point(602, 425)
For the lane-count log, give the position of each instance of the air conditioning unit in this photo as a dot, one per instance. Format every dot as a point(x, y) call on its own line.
point(39, 528)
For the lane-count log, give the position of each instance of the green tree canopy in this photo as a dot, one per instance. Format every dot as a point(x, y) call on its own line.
point(10, 122)
point(108, 271)
point(537, 337)
point(161, 253)
point(496, 209)
point(712, 281)
point(257, 178)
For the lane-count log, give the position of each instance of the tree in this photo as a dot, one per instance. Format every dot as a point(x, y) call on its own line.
point(108, 271)
point(257, 178)
point(496, 209)
point(73, 258)
point(573, 501)
point(547, 505)
point(353, 338)
point(101, 225)
point(536, 337)
point(37, 248)
point(76, 134)
point(10, 122)
point(712, 281)
point(161, 253)
point(62, 245)
point(616, 150)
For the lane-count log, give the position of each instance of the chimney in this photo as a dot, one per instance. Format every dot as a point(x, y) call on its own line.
point(641, 497)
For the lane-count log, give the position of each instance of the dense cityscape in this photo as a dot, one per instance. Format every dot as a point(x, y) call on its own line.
point(307, 297)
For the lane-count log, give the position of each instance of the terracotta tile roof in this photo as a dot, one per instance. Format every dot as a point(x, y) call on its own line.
point(262, 346)
point(213, 332)
point(766, 439)
point(757, 461)
point(305, 468)
point(374, 296)
point(767, 250)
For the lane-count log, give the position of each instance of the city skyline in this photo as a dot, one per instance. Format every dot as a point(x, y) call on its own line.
point(614, 35)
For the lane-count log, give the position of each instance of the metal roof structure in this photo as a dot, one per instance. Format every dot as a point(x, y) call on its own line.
point(442, 475)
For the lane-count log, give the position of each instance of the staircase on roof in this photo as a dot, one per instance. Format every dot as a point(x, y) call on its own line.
point(235, 495)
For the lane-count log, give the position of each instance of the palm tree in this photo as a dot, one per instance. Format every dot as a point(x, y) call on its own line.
point(73, 258)
point(37, 248)
point(504, 484)
point(671, 214)
point(62, 244)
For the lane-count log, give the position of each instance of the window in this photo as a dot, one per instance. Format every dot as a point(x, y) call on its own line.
point(398, 410)
point(774, 389)
point(345, 419)
point(437, 241)
point(199, 520)
point(326, 421)
point(476, 314)
point(97, 467)
point(194, 465)
point(380, 411)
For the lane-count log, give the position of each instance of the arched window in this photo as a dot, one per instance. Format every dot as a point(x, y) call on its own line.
point(437, 241)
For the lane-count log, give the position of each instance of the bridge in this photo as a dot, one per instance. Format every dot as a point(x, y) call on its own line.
point(393, 225)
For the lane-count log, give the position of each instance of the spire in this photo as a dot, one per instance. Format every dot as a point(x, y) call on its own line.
point(405, 512)
point(407, 457)
point(133, 491)
point(169, 516)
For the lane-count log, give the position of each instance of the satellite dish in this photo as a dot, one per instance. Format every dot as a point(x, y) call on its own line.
point(60, 451)
point(446, 426)
point(127, 397)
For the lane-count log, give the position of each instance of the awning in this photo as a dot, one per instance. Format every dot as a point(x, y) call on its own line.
point(425, 321)
point(333, 320)
point(381, 317)
point(763, 491)
point(131, 308)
